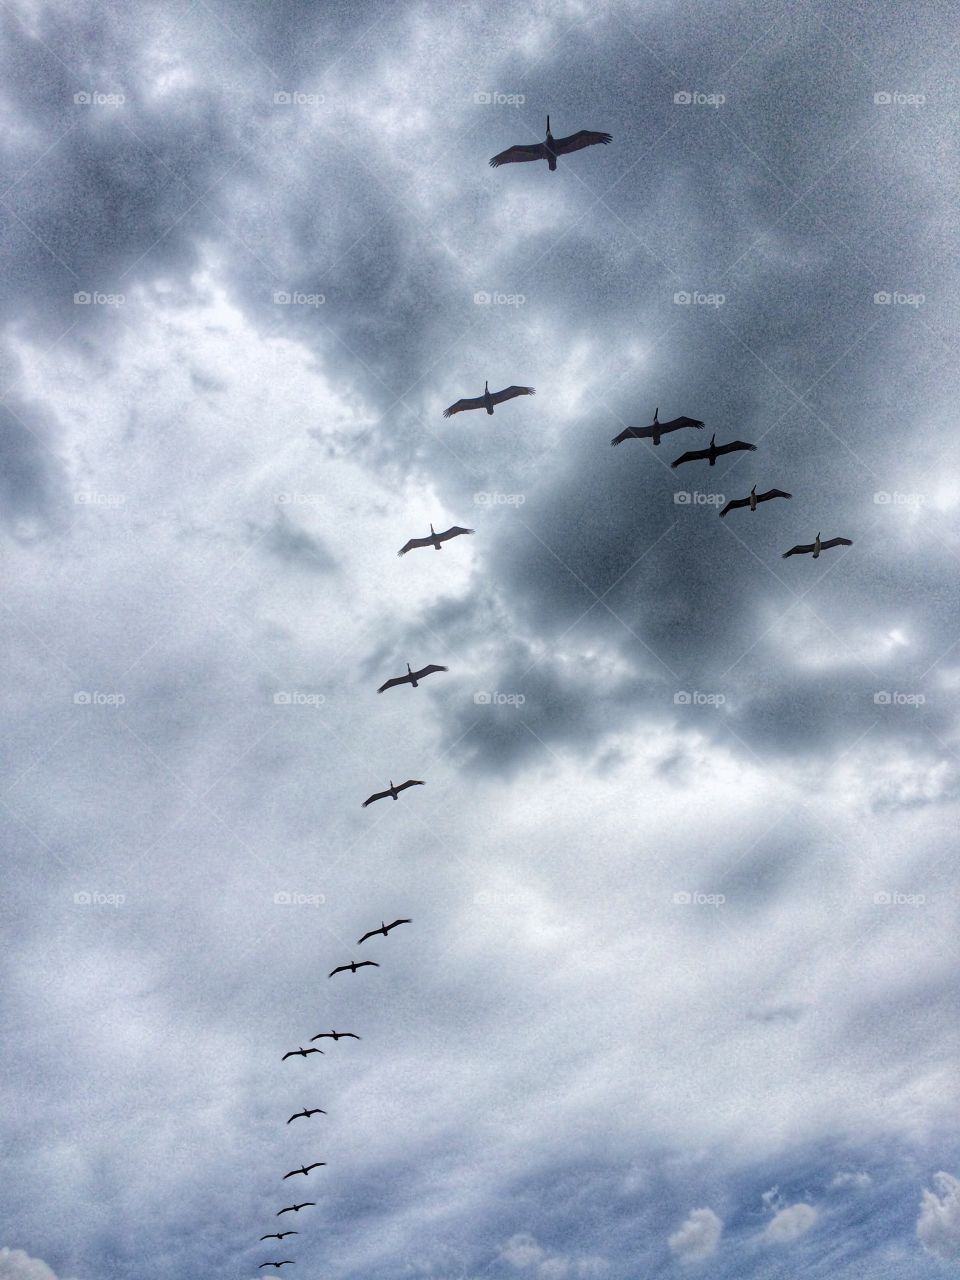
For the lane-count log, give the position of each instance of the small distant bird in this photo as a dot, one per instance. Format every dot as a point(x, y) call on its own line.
point(307, 1112)
point(384, 929)
point(295, 1208)
point(714, 452)
point(550, 148)
point(304, 1169)
point(278, 1235)
point(336, 1035)
point(353, 966)
point(488, 399)
point(434, 540)
point(412, 678)
point(753, 499)
point(287, 1262)
point(656, 429)
point(392, 790)
point(299, 1053)
point(817, 546)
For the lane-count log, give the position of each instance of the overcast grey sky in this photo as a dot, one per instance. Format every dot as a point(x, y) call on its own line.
point(679, 997)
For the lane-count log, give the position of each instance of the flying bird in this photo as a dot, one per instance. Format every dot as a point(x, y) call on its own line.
point(412, 678)
point(295, 1208)
point(353, 966)
point(278, 1235)
point(713, 453)
point(753, 499)
point(307, 1112)
point(817, 546)
point(299, 1053)
point(287, 1262)
point(550, 148)
point(304, 1169)
point(488, 399)
point(656, 429)
point(384, 929)
point(434, 540)
point(336, 1035)
point(392, 790)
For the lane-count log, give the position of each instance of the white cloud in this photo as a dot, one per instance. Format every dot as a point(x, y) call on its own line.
point(15, 1264)
point(791, 1223)
point(848, 1181)
point(938, 1227)
point(526, 1254)
point(698, 1238)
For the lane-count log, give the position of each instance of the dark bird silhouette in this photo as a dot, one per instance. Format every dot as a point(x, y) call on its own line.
point(392, 790)
point(287, 1262)
point(299, 1053)
point(304, 1169)
point(550, 148)
point(384, 929)
point(412, 678)
point(488, 399)
point(307, 1112)
point(713, 453)
point(434, 540)
point(753, 499)
point(353, 966)
point(656, 429)
point(817, 546)
point(279, 1235)
point(336, 1035)
point(295, 1208)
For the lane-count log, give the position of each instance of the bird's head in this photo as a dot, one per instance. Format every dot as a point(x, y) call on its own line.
point(754, 489)
point(432, 530)
point(655, 412)
point(713, 439)
point(548, 125)
point(409, 669)
point(486, 388)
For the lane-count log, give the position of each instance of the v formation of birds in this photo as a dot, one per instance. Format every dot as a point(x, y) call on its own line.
point(550, 150)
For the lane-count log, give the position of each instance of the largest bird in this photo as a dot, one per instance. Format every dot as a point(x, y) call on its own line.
point(550, 148)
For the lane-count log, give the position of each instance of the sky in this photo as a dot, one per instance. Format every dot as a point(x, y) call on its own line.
point(679, 994)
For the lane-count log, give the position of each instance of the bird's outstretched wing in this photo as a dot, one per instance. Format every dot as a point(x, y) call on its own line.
point(799, 550)
point(453, 532)
point(289, 1175)
point(835, 542)
point(733, 503)
point(377, 795)
point(576, 141)
point(632, 433)
point(734, 446)
point(372, 963)
point(414, 542)
point(401, 920)
point(461, 405)
point(428, 671)
point(389, 684)
point(272, 1236)
point(341, 968)
point(509, 393)
point(411, 782)
point(773, 493)
point(692, 455)
point(372, 933)
point(317, 1164)
point(677, 424)
point(513, 155)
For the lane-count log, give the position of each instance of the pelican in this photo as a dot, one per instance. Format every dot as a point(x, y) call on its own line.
point(299, 1053)
point(656, 429)
point(434, 540)
point(295, 1208)
point(304, 1169)
point(488, 399)
point(412, 678)
point(307, 1112)
point(287, 1262)
point(550, 148)
point(714, 452)
point(278, 1235)
point(353, 966)
point(753, 499)
point(336, 1035)
point(392, 790)
point(817, 546)
point(384, 929)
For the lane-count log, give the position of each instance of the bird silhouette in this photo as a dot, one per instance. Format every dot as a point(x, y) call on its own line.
point(753, 499)
point(488, 399)
point(336, 1035)
point(299, 1053)
point(434, 540)
point(307, 1112)
point(295, 1208)
point(279, 1235)
point(287, 1262)
point(817, 546)
point(384, 929)
point(393, 791)
point(713, 453)
point(304, 1169)
point(550, 148)
point(353, 966)
point(656, 429)
point(412, 678)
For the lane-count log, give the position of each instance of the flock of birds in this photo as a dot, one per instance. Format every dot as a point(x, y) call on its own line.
point(550, 149)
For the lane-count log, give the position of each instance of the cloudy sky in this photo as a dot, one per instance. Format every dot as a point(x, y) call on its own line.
point(680, 993)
